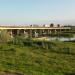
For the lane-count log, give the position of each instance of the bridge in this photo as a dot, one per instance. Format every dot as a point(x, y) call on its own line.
point(34, 31)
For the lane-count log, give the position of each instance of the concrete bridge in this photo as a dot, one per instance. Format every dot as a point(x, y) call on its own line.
point(34, 31)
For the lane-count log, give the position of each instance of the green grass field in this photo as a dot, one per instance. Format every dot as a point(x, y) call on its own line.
point(57, 58)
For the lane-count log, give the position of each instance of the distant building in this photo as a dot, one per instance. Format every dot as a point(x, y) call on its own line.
point(46, 25)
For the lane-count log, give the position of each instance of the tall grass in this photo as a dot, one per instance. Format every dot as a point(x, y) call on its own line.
point(31, 57)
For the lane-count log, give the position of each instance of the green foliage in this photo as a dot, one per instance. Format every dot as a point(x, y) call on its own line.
point(43, 45)
point(4, 36)
point(18, 40)
point(30, 57)
point(57, 59)
point(28, 42)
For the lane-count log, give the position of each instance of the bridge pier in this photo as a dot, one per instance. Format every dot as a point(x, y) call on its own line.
point(30, 33)
point(11, 34)
point(55, 31)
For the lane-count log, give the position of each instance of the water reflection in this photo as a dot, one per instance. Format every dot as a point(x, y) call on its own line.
point(62, 38)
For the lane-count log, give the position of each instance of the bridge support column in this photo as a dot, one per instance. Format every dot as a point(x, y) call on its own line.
point(55, 31)
point(40, 32)
point(25, 34)
point(30, 33)
point(60, 31)
point(11, 34)
point(18, 32)
point(36, 34)
point(50, 32)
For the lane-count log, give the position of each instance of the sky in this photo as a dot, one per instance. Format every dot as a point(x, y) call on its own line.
point(37, 11)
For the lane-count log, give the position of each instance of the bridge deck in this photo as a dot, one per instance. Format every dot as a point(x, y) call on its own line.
point(2, 28)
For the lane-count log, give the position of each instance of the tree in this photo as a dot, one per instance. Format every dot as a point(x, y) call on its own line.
point(51, 25)
point(58, 25)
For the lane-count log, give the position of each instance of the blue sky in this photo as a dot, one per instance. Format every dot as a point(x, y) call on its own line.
point(36, 11)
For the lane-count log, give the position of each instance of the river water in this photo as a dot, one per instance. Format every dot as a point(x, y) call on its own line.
point(62, 38)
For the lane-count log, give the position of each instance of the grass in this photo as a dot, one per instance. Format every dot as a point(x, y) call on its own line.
point(57, 59)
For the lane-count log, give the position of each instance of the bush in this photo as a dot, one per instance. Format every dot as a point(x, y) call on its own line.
point(18, 40)
point(28, 42)
point(4, 36)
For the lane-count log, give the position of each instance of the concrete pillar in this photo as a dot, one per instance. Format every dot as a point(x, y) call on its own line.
point(0, 31)
point(24, 32)
point(18, 31)
point(50, 32)
point(30, 33)
point(11, 34)
point(36, 34)
point(43, 32)
point(40, 32)
point(60, 31)
point(46, 32)
point(55, 31)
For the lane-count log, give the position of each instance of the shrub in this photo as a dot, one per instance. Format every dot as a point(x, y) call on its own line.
point(18, 40)
point(28, 42)
point(4, 36)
